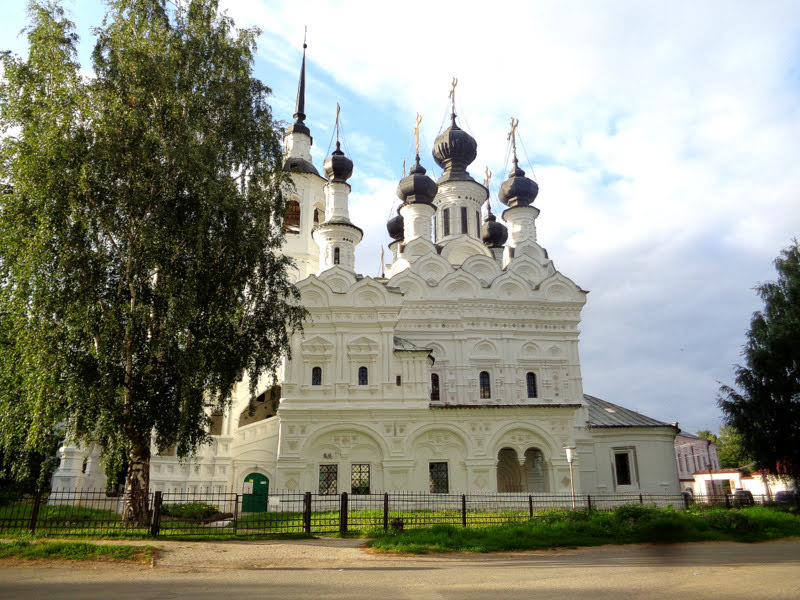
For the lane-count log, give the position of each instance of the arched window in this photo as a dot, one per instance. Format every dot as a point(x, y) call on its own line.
point(336, 256)
point(434, 386)
point(464, 226)
point(317, 213)
point(291, 218)
point(316, 376)
point(531, 381)
point(363, 377)
point(446, 222)
point(486, 386)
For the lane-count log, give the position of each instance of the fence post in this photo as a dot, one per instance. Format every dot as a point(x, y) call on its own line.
point(530, 506)
point(307, 512)
point(385, 511)
point(235, 513)
point(464, 510)
point(155, 524)
point(589, 502)
point(343, 513)
point(727, 501)
point(641, 500)
point(686, 501)
point(37, 502)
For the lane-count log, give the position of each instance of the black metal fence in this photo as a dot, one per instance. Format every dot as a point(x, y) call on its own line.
point(177, 514)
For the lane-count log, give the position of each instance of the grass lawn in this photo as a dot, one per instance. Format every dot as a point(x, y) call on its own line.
point(624, 525)
point(47, 550)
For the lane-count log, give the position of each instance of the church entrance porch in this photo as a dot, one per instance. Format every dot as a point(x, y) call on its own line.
point(528, 473)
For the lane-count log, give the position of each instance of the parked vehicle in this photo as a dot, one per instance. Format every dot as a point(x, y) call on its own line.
point(743, 497)
point(785, 497)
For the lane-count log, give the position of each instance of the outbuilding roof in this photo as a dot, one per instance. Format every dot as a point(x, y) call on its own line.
point(606, 414)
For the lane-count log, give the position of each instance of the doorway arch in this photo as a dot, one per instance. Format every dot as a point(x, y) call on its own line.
point(255, 493)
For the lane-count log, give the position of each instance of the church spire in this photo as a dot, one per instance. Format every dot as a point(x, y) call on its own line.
point(299, 125)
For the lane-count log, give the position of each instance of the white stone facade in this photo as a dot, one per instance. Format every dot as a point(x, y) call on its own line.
point(457, 372)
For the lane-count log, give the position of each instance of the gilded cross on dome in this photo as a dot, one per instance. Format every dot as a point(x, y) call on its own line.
point(452, 95)
point(512, 135)
point(416, 131)
point(487, 179)
point(337, 121)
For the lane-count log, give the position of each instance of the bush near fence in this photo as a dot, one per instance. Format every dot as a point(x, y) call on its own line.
point(177, 514)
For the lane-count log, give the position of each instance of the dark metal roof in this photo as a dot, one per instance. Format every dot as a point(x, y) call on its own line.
point(485, 406)
point(606, 414)
point(295, 164)
point(405, 345)
point(299, 125)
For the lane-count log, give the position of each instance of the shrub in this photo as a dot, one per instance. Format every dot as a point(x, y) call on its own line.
point(196, 511)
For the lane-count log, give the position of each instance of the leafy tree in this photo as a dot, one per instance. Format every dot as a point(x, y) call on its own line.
point(765, 405)
point(140, 229)
point(730, 452)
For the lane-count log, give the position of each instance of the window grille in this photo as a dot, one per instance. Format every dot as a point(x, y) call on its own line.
point(363, 376)
point(316, 376)
point(464, 226)
point(486, 386)
point(317, 213)
point(359, 479)
point(328, 476)
point(531, 381)
point(438, 478)
point(434, 386)
point(446, 222)
point(291, 218)
point(399, 380)
point(336, 256)
point(477, 223)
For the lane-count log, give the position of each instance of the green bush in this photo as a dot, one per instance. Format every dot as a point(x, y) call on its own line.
point(196, 511)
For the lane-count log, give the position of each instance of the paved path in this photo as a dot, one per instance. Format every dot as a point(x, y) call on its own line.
point(334, 568)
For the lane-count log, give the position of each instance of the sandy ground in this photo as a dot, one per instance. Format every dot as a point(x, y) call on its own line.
point(333, 568)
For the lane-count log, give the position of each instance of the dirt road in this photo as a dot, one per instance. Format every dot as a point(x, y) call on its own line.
point(336, 568)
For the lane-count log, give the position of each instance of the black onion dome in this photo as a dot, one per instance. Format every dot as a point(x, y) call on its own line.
point(295, 164)
point(454, 150)
point(417, 188)
point(396, 228)
point(338, 167)
point(518, 190)
point(493, 234)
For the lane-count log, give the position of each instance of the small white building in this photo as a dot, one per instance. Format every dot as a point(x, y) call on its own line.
point(457, 371)
point(694, 454)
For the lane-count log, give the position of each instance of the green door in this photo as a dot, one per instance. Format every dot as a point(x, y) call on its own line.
point(256, 493)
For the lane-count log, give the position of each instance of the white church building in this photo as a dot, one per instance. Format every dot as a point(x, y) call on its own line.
point(457, 371)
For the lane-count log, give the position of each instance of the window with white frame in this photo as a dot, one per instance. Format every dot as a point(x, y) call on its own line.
point(624, 466)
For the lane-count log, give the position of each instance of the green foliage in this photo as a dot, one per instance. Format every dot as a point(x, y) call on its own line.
point(730, 452)
point(190, 510)
point(765, 405)
point(27, 550)
point(623, 525)
point(140, 229)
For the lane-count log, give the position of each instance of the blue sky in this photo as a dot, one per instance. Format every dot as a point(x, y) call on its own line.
point(664, 137)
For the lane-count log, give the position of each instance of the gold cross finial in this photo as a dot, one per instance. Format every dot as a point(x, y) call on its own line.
point(488, 178)
point(337, 121)
point(453, 94)
point(416, 131)
point(404, 167)
point(512, 135)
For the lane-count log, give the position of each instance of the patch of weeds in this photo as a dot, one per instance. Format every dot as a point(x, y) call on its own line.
point(76, 551)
